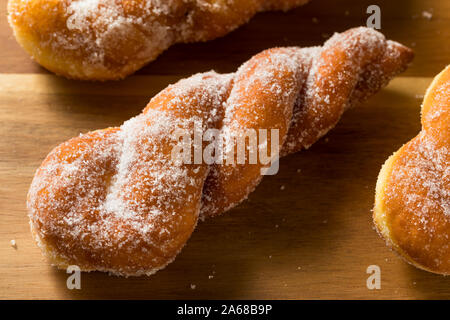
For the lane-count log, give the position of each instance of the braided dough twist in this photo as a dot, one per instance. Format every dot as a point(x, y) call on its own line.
point(113, 200)
point(110, 39)
point(412, 203)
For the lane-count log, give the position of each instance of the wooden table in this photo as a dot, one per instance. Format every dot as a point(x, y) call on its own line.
point(305, 233)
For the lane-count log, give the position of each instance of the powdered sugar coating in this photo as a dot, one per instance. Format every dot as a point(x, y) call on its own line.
point(108, 196)
point(424, 173)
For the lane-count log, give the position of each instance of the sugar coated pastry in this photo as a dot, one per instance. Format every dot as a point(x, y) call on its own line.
point(110, 39)
point(115, 200)
point(412, 203)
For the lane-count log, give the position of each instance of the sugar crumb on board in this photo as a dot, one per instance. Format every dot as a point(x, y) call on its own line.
point(427, 14)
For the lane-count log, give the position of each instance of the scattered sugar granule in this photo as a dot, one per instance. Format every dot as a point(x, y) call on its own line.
point(347, 13)
point(210, 276)
point(270, 257)
point(325, 221)
point(427, 15)
point(419, 96)
point(299, 170)
point(193, 286)
point(13, 244)
point(282, 187)
point(299, 268)
point(315, 20)
point(276, 226)
point(325, 35)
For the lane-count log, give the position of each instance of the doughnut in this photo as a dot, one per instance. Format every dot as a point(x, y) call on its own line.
point(412, 202)
point(111, 39)
point(115, 200)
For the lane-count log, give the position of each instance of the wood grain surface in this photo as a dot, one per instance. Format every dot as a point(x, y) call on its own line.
point(305, 233)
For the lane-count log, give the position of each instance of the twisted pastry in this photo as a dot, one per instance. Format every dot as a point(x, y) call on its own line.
point(412, 203)
point(113, 200)
point(110, 39)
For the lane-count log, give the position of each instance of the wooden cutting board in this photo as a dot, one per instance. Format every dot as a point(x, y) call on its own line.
point(304, 233)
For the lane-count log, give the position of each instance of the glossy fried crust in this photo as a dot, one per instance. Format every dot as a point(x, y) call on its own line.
point(412, 204)
point(115, 200)
point(110, 39)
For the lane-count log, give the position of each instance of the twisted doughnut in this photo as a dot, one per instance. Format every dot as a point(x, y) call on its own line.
point(113, 200)
point(412, 203)
point(110, 39)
